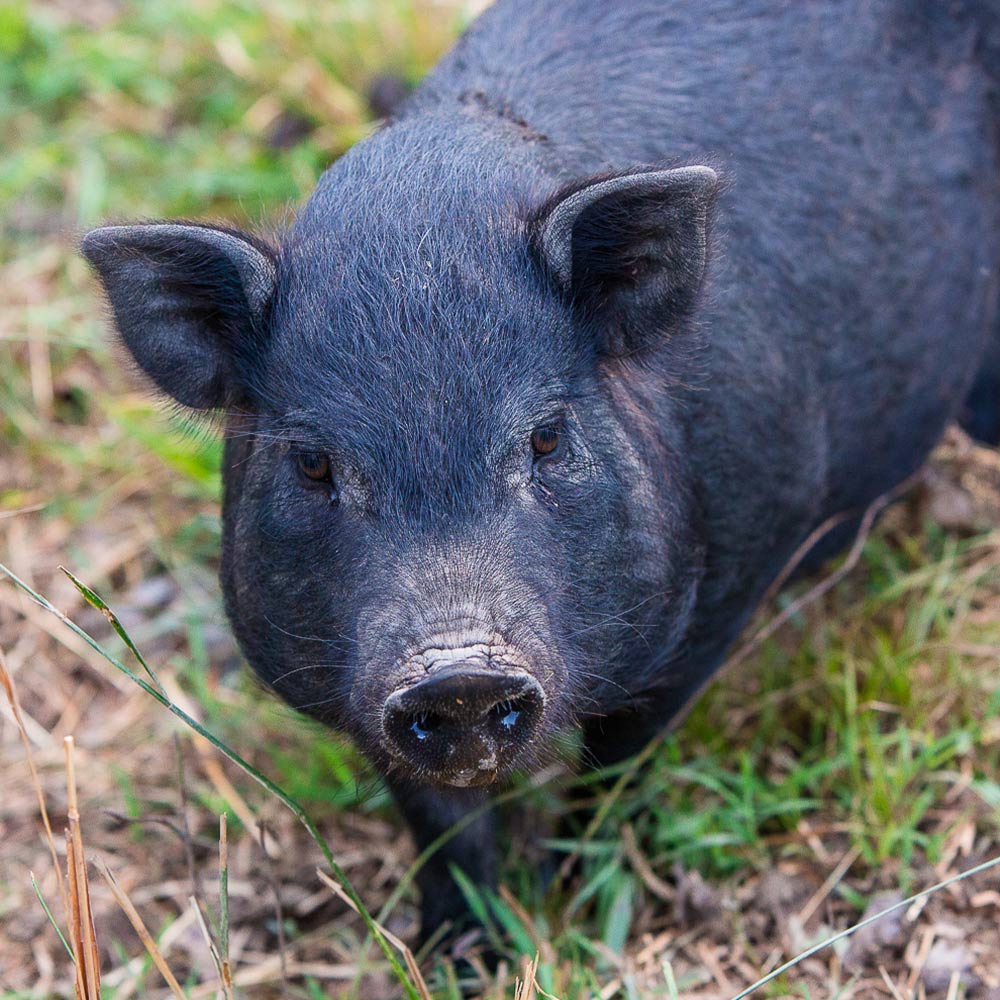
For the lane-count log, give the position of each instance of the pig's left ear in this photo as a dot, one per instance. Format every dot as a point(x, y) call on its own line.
point(631, 251)
point(190, 302)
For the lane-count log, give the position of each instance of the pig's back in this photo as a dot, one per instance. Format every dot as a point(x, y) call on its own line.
point(858, 232)
point(854, 283)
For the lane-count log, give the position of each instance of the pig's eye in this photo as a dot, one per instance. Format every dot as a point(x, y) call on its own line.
point(314, 466)
point(545, 440)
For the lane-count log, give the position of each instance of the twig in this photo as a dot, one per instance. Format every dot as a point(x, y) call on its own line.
point(524, 988)
point(121, 897)
point(22, 510)
point(227, 972)
point(185, 830)
point(15, 706)
point(828, 886)
point(209, 941)
point(816, 535)
point(656, 885)
point(82, 932)
point(279, 914)
point(404, 950)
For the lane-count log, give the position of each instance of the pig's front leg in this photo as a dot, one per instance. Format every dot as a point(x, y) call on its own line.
point(430, 812)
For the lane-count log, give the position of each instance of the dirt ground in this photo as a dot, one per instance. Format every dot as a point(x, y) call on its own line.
point(150, 794)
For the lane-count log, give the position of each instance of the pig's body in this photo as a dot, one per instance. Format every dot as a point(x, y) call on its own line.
point(855, 286)
point(851, 293)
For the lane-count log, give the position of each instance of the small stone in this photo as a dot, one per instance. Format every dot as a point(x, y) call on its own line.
point(943, 961)
point(883, 933)
point(696, 900)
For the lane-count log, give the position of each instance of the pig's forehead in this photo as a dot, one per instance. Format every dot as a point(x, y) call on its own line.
point(409, 304)
point(425, 360)
point(423, 396)
point(453, 314)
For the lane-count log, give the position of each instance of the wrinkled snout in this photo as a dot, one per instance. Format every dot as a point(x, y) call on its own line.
point(464, 723)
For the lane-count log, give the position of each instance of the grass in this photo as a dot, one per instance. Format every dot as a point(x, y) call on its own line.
point(862, 736)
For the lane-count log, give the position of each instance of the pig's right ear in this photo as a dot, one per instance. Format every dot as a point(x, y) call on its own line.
point(631, 251)
point(189, 301)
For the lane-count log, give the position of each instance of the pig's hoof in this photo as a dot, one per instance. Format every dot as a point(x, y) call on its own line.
point(470, 951)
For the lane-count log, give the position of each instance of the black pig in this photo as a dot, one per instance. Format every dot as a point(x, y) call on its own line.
point(555, 371)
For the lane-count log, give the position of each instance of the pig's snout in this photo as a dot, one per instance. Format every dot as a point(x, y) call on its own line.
point(463, 724)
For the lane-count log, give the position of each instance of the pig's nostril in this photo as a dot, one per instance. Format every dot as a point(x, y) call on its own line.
point(463, 722)
point(509, 718)
point(508, 712)
point(424, 724)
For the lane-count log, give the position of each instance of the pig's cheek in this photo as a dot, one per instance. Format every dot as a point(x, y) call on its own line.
point(366, 699)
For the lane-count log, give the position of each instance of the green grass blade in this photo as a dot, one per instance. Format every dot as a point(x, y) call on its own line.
point(52, 919)
point(668, 976)
point(96, 601)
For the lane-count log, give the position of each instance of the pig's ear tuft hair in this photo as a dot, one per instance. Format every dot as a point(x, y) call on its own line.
point(190, 301)
point(631, 250)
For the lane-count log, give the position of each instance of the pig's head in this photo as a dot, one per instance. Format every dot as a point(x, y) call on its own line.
point(454, 520)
